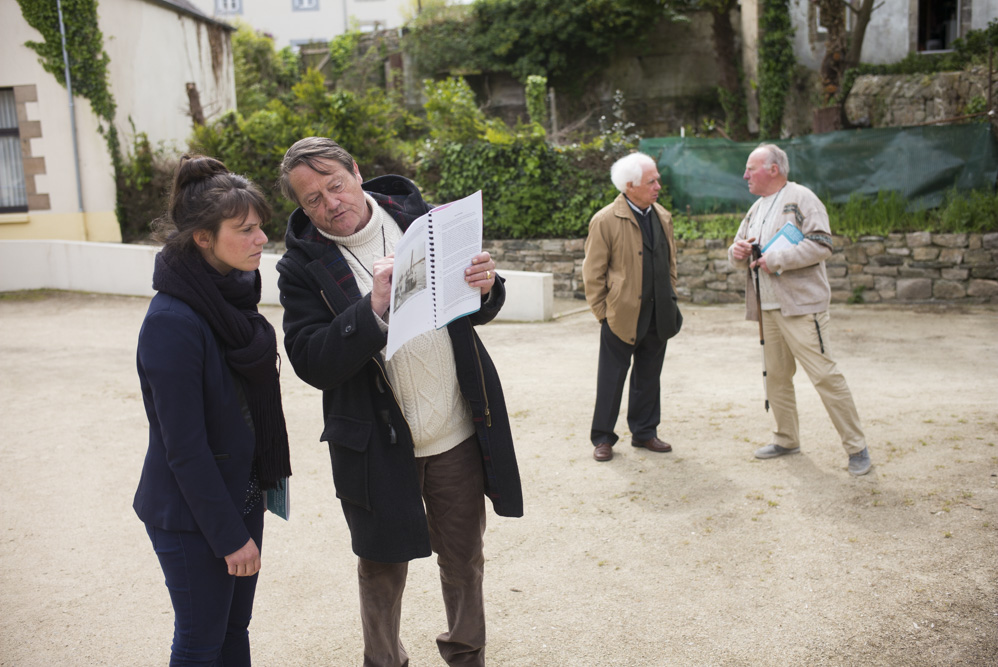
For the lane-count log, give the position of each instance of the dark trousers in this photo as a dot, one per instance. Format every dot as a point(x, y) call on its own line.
point(644, 409)
point(211, 608)
point(454, 495)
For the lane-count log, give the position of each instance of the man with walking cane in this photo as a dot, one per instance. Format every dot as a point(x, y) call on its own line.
point(756, 254)
point(789, 225)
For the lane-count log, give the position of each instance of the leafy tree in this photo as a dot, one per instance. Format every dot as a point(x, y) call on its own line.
point(368, 125)
point(452, 115)
point(342, 52)
point(357, 60)
point(532, 189)
point(566, 40)
point(262, 73)
point(442, 24)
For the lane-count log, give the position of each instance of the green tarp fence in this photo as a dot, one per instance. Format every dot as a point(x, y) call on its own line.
point(920, 163)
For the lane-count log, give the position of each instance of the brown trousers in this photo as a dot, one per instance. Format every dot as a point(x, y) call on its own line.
point(454, 495)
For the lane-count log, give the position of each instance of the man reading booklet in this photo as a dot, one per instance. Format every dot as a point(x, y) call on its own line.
point(419, 440)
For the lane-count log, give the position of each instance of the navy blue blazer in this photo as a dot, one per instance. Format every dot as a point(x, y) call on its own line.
point(197, 469)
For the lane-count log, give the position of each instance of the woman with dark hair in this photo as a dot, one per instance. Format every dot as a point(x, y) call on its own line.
point(208, 366)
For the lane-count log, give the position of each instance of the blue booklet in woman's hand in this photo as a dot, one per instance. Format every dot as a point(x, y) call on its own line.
point(279, 501)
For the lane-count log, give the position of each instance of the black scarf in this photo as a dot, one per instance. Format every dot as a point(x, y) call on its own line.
point(229, 305)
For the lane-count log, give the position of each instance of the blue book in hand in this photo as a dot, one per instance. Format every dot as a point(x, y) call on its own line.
point(788, 236)
point(279, 500)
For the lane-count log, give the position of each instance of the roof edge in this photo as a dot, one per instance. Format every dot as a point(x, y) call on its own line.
point(190, 10)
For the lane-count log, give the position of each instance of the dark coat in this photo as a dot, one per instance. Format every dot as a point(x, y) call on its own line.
point(334, 343)
point(197, 468)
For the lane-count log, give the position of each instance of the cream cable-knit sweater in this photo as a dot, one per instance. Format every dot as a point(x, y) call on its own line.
point(422, 371)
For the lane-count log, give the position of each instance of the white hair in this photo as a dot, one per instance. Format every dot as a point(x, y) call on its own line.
point(775, 155)
point(629, 169)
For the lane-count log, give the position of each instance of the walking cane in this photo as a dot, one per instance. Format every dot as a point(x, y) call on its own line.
point(756, 254)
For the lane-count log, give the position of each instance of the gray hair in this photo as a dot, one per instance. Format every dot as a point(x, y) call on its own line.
point(628, 169)
point(311, 152)
point(775, 155)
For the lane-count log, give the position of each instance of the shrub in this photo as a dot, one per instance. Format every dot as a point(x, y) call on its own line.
point(369, 126)
point(262, 74)
point(143, 180)
point(531, 188)
point(886, 213)
point(975, 212)
point(687, 228)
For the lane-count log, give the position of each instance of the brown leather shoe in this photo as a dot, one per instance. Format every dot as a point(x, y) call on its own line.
point(603, 452)
point(653, 445)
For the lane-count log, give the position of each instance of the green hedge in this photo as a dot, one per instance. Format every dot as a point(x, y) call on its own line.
point(530, 188)
point(961, 212)
point(369, 126)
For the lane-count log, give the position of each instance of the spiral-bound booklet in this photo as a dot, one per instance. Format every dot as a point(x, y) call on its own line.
point(428, 286)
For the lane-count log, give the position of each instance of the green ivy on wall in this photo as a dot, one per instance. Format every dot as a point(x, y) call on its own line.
point(84, 43)
point(88, 62)
point(776, 65)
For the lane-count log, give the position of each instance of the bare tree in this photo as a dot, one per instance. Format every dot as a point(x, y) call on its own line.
point(729, 68)
point(842, 49)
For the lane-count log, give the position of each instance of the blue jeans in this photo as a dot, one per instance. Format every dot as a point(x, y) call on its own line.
point(211, 608)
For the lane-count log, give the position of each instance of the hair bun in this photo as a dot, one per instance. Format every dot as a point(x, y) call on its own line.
point(195, 168)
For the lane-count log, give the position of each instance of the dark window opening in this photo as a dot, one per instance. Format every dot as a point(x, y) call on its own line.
point(938, 24)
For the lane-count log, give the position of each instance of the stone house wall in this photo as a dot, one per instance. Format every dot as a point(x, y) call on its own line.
point(894, 100)
point(917, 267)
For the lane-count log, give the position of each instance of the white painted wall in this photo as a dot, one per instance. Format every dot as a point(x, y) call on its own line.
point(984, 12)
point(333, 17)
point(19, 66)
point(106, 268)
point(116, 268)
point(154, 53)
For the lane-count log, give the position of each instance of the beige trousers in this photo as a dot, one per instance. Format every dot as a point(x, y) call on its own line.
point(804, 339)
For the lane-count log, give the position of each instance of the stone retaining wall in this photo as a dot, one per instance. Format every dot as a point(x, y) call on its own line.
point(900, 268)
point(894, 100)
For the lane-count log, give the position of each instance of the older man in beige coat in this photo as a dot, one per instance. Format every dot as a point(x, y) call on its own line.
point(793, 294)
point(630, 276)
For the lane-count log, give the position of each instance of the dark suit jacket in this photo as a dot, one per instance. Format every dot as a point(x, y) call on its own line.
point(200, 455)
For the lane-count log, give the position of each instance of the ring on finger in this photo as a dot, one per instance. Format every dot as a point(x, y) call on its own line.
point(488, 275)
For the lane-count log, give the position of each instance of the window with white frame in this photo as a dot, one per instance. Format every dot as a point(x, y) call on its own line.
point(13, 195)
point(228, 6)
point(304, 5)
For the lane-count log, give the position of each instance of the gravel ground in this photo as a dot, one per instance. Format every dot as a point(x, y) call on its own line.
point(705, 556)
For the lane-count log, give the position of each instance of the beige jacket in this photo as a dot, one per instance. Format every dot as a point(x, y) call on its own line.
point(802, 286)
point(611, 270)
